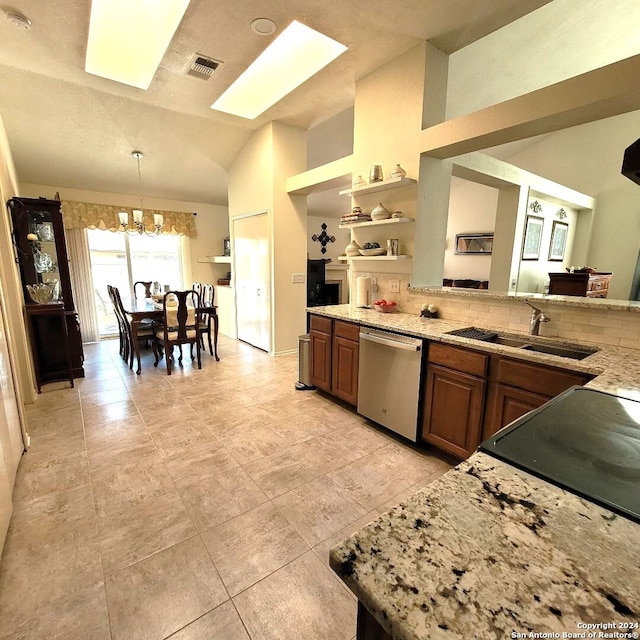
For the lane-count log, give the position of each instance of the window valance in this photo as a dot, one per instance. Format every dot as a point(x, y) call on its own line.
point(87, 215)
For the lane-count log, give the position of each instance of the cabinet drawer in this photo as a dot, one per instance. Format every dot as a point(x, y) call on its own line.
point(459, 359)
point(321, 324)
point(347, 330)
point(537, 378)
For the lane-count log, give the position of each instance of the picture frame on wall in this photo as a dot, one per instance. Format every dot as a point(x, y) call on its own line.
point(558, 244)
point(474, 243)
point(532, 238)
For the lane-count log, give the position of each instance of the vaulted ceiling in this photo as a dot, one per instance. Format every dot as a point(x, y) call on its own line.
point(68, 128)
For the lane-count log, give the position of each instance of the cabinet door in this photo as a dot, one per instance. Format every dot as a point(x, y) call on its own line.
point(344, 380)
point(321, 360)
point(454, 404)
point(509, 404)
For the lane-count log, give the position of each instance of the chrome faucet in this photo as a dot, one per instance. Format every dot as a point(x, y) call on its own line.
point(537, 316)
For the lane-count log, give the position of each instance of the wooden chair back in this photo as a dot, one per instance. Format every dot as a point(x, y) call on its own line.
point(208, 295)
point(147, 289)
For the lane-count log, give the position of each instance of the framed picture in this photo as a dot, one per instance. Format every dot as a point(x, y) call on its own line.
point(532, 238)
point(558, 243)
point(474, 243)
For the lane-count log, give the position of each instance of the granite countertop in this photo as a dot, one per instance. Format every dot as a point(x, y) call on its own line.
point(617, 369)
point(489, 551)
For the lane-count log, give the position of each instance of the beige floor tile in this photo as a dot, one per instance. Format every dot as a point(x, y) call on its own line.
point(116, 411)
point(185, 437)
point(53, 444)
point(291, 467)
point(47, 403)
point(152, 400)
point(251, 546)
point(299, 428)
point(100, 398)
point(88, 386)
point(198, 463)
point(42, 516)
point(138, 530)
point(82, 616)
point(352, 441)
point(375, 478)
point(58, 422)
point(140, 450)
point(40, 475)
point(161, 594)
point(247, 445)
point(302, 600)
point(36, 571)
point(116, 486)
point(168, 417)
point(318, 509)
point(102, 435)
point(222, 623)
point(220, 497)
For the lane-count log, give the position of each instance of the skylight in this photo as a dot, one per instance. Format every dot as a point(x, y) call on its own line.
point(127, 38)
point(293, 57)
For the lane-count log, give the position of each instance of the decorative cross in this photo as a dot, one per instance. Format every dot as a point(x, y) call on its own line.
point(323, 238)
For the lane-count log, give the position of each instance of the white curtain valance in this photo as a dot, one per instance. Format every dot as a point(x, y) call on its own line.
point(87, 215)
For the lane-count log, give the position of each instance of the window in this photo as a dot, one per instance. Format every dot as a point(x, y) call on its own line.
point(120, 260)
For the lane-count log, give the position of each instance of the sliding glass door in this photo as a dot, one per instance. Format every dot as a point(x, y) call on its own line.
point(119, 260)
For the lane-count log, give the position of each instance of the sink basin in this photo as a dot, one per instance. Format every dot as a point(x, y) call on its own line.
point(563, 352)
point(484, 335)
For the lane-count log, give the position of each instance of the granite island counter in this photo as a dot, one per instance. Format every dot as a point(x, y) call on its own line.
point(489, 551)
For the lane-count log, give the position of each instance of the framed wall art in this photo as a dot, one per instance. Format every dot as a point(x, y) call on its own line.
point(558, 244)
point(474, 243)
point(532, 238)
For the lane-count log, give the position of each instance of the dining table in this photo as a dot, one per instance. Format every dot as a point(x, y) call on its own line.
point(139, 310)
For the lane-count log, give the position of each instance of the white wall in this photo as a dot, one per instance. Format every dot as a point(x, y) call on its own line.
point(557, 41)
point(334, 249)
point(472, 209)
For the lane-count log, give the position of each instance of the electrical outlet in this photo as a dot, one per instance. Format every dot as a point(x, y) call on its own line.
point(297, 277)
point(394, 286)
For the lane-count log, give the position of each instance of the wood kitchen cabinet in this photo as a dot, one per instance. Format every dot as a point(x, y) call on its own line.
point(518, 387)
point(591, 285)
point(454, 396)
point(470, 395)
point(334, 357)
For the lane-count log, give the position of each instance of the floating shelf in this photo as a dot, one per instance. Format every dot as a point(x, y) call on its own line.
point(374, 223)
point(391, 183)
point(374, 257)
point(220, 259)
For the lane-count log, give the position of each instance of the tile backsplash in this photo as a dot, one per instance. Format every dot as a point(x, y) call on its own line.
point(571, 323)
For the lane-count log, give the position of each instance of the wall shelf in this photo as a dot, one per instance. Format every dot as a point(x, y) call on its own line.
point(374, 223)
point(391, 183)
point(374, 258)
point(219, 259)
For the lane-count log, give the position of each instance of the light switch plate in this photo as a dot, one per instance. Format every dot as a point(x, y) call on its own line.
point(297, 277)
point(394, 286)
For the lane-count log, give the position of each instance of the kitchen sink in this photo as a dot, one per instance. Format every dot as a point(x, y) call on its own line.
point(485, 335)
point(563, 352)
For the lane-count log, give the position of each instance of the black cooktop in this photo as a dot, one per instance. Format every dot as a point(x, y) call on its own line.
point(585, 441)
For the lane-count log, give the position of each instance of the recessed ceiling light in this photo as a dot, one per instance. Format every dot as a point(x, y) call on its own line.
point(18, 19)
point(127, 38)
point(263, 26)
point(294, 56)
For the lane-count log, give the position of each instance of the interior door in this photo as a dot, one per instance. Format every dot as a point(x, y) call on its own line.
point(253, 279)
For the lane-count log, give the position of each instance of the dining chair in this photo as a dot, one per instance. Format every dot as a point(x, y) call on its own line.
point(122, 330)
point(144, 332)
point(147, 288)
point(209, 316)
point(180, 325)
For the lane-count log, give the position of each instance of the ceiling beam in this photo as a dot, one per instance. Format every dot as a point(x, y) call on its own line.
point(608, 91)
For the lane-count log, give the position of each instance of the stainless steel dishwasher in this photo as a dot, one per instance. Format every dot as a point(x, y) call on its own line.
point(389, 380)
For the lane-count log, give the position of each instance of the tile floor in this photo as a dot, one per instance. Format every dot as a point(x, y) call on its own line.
point(201, 505)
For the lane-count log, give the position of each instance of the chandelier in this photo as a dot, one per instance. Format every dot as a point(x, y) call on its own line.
point(138, 221)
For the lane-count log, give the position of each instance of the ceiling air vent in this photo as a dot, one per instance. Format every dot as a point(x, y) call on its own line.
point(202, 67)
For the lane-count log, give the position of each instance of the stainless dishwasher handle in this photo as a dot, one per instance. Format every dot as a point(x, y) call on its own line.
point(396, 344)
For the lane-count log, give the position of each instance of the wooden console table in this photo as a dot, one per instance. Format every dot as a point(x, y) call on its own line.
point(590, 285)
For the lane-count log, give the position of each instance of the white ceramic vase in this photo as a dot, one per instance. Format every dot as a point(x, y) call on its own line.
point(380, 212)
point(352, 249)
point(398, 172)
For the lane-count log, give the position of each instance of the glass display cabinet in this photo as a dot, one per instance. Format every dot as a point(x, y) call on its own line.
point(52, 321)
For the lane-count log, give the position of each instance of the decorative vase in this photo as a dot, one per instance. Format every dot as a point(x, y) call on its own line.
point(398, 172)
point(352, 249)
point(358, 182)
point(375, 175)
point(380, 212)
